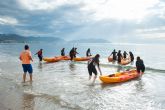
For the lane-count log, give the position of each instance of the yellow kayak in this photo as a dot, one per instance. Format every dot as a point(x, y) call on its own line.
point(56, 59)
point(82, 58)
point(120, 77)
point(110, 59)
point(125, 61)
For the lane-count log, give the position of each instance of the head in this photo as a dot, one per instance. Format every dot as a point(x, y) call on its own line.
point(138, 58)
point(41, 49)
point(97, 56)
point(26, 47)
point(130, 52)
point(119, 51)
point(114, 50)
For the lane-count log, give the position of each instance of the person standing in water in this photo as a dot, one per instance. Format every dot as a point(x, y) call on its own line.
point(88, 53)
point(39, 53)
point(140, 67)
point(125, 54)
point(26, 57)
point(91, 67)
point(71, 54)
point(119, 56)
point(114, 54)
point(63, 52)
point(131, 56)
point(75, 52)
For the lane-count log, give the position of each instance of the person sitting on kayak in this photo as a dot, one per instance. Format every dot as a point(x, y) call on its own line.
point(114, 54)
point(71, 54)
point(88, 53)
point(91, 67)
point(39, 53)
point(63, 52)
point(131, 56)
point(140, 67)
point(125, 54)
point(119, 56)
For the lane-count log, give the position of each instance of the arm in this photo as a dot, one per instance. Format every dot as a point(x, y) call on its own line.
point(30, 56)
point(99, 68)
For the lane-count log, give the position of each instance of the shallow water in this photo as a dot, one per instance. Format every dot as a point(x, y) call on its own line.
point(64, 85)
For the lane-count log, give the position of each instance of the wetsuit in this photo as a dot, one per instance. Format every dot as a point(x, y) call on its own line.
point(91, 66)
point(39, 53)
point(125, 54)
point(131, 56)
point(88, 53)
point(119, 57)
point(71, 54)
point(114, 55)
point(62, 52)
point(140, 66)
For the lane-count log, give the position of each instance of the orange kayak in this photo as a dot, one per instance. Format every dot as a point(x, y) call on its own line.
point(110, 59)
point(82, 58)
point(120, 77)
point(125, 61)
point(56, 59)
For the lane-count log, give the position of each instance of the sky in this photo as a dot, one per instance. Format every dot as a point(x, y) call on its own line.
point(113, 20)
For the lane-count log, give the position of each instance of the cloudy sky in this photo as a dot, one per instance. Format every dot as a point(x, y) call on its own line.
point(114, 20)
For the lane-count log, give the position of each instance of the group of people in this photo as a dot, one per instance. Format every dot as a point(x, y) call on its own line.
point(26, 58)
point(118, 55)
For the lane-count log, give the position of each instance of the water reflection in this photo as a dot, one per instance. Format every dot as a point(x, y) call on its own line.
point(119, 68)
point(40, 65)
point(139, 85)
point(132, 62)
point(72, 66)
point(28, 102)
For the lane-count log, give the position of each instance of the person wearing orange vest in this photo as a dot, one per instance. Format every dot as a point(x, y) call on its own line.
point(26, 57)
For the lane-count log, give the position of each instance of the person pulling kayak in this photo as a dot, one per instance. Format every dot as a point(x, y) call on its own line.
point(91, 67)
point(140, 67)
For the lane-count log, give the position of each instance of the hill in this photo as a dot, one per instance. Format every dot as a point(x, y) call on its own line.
point(14, 38)
point(90, 41)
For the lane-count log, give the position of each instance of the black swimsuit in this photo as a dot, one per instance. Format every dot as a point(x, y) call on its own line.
point(91, 67)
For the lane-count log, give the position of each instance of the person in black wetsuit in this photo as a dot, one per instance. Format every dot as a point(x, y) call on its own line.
point(63, 52)
point(71, 53)
point(125, 54)
point(140, 67)
point(91, 67)
point(75, 52)
point(119, 56)
point(114, 54)
point(131, 56)
point(88, 53)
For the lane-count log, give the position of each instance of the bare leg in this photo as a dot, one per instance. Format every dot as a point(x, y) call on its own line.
point(90, 77)
point(94, 79)
point(30, 77)
point(24, 77)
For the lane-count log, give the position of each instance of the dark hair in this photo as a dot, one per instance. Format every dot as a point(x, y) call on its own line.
point(97, 56)
point(138, 58)
point(26, 47)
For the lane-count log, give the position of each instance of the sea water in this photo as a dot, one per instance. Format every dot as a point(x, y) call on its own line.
point(64, 85)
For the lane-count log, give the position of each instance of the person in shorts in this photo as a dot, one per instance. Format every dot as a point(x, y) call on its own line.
point(26, 58)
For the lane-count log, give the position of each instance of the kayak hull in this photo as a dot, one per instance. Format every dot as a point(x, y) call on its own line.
point(82, 58)
point(110, 59)
point(125, 61)
point(56, 59)
point(120, 77)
